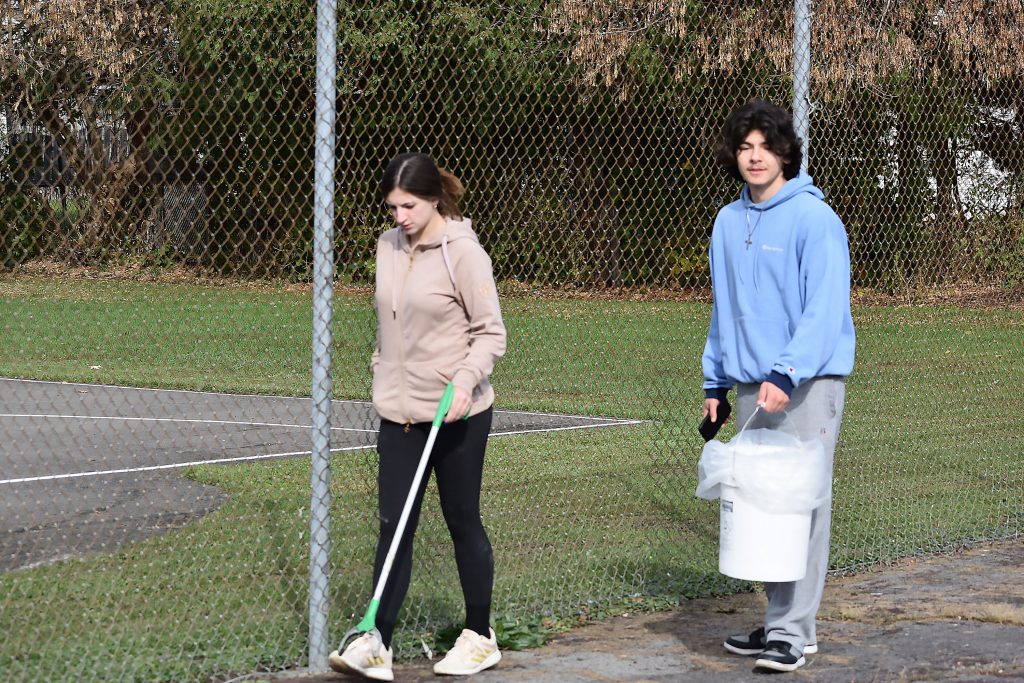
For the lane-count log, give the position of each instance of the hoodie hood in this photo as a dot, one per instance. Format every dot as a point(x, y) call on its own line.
point(454, 229)
point(801, 184)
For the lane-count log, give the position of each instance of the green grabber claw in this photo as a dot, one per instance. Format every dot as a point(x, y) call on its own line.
point(367, 625)
point(369, 621)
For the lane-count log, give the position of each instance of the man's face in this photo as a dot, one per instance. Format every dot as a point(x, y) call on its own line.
point(760, 167)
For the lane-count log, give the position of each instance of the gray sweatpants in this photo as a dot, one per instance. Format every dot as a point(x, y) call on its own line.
point(816, 411)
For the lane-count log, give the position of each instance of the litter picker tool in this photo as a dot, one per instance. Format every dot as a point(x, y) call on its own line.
point(369, 622)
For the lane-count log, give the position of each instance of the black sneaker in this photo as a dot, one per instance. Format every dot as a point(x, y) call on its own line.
point(754, 644)
point(746, 645)
point(779, 655)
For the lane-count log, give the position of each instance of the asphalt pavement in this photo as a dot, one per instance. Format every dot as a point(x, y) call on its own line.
point(957, 617)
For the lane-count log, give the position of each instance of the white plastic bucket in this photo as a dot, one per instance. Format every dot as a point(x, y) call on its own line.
point(760, 546)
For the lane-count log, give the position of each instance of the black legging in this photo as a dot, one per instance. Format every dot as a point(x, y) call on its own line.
point(458, 462)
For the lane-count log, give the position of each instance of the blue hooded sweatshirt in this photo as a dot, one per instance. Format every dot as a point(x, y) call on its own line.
point(781, 308)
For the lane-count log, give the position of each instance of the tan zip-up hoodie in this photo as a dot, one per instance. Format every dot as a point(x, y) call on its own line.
point(438, 321)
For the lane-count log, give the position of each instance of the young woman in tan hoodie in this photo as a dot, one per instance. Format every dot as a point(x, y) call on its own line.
point(438, 321)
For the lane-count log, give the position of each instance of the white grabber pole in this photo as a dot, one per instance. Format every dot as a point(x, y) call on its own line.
point(369, 622)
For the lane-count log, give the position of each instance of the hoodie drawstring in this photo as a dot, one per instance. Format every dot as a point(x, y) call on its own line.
point(447, 261)
point(394, 276)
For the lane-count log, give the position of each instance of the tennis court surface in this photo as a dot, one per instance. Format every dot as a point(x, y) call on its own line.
point(85, 468)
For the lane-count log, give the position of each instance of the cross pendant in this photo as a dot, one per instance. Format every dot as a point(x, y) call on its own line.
point(748, 242)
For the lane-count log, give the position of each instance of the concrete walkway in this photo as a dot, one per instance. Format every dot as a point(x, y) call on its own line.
point(952, 618)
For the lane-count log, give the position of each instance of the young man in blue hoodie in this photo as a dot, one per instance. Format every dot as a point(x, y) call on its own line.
point(782, 334)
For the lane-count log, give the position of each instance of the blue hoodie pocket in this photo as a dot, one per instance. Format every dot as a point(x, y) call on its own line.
point(759, 342)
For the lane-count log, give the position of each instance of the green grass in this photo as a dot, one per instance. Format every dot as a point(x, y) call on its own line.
point(580, 521)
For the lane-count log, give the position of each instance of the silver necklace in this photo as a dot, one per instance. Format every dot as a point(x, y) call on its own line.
point(750, 230)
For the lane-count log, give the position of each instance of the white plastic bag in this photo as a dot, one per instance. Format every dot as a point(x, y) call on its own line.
point(772, 469)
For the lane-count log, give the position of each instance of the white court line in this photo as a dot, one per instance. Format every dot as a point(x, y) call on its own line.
point(217, 461)
point(178, 419)
point(172, 391)
point(150, 468)
point(563, 429)
point(290, 398)
point(613, 420)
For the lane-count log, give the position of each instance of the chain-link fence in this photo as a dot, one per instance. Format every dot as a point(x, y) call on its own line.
point(164, 165)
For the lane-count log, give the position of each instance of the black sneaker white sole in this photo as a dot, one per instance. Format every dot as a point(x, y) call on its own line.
point(753, 644)
point(779, 655)
point(743, 651)
point(778, 666)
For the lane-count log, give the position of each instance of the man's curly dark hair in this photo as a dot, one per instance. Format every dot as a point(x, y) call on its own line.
point(775, 124)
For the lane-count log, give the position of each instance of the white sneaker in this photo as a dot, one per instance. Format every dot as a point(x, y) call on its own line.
point(471, 654)
point(365, 656)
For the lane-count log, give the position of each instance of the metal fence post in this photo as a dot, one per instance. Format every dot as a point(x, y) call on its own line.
point(323, 291)
point(802, 75)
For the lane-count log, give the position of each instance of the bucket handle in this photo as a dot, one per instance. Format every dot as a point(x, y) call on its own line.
point(785, 420)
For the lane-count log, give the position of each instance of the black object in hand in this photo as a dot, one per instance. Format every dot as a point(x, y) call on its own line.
point(707, 428)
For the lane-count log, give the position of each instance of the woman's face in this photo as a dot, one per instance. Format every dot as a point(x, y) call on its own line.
point(411, 213)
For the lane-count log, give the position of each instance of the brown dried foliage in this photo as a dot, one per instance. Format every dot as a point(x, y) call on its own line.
point(853, 42)
point(604, 31)
point(106, 42)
